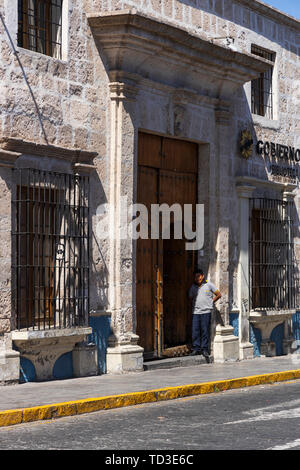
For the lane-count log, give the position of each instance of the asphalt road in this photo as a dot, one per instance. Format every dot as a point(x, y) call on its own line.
point(256, 418)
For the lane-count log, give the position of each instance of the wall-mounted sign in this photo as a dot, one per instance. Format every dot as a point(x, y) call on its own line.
point(281, 154)
point(285, 152)
point(288, 172)
point(246, 144)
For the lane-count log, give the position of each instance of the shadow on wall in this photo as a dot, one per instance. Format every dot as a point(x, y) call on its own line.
point(99, 269)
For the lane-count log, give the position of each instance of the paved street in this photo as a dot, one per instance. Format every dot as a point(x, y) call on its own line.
point(263, 417)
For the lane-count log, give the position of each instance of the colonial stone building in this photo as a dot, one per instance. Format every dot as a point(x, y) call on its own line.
point(109, 104)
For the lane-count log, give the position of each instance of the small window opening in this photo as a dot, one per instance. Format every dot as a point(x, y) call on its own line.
point(262, 87)
point(51, 249)
point(40, 26)
point(274, 281)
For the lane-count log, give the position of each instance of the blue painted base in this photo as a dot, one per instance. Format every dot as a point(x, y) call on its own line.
point(101, 332)
point(255, 334)
point(63, 367)
point(277, 336)
point(296, 328)
point(27, 371)
point(234, 321)
point(255, 339)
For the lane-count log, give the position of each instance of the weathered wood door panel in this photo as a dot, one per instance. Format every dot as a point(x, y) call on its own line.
point(145, 293)
point(146, 265)
point(149, 150)
point(179, 155)
point(167, 174)
point(178, 263)
point(175, 306)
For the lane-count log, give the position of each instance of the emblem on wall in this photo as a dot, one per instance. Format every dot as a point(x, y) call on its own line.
point(246, 144)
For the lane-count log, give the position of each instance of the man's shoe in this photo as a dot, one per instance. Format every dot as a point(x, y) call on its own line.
point(195, 353)
point(206, 355)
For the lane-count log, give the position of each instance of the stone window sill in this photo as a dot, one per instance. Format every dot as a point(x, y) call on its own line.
point(260, 316)
point(29, 335)
point(23, 50)
point(265, 122)
point(100, 313)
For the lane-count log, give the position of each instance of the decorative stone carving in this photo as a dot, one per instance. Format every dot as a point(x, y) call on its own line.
point(246, 144)
point(8, 158)
point(150, 48)
point(44, 347)
point(266, 322)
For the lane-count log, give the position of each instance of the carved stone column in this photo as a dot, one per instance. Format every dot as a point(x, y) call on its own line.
point(288, 196)
point(244, 194)
point(123, 353)
point(9, 358)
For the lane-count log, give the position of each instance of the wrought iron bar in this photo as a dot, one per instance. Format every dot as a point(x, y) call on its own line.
point(51, 266)
point(274, 279)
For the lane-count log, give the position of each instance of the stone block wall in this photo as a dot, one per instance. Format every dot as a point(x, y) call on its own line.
point(73, 101)
point(70, 94)
point(71, 107)
point(6, 316)
point(247, 22)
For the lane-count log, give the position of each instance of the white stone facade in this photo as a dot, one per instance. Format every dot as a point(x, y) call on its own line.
point(182, 78)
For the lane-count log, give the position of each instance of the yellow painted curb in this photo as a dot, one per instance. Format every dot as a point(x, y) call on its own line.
point(88, 405)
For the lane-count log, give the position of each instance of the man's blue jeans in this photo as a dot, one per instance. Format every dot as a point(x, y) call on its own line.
point(201, 331)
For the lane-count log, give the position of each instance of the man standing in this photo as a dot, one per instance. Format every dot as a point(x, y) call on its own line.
point(203, 294)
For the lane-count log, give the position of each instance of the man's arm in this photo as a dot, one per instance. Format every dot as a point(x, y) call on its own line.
point(218, 295)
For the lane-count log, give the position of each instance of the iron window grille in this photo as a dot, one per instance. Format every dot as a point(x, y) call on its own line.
point(51, 249)
point(262, 87)
point(274, 280)
point(40, 26)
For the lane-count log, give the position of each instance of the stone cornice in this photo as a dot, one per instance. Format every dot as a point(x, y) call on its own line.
point(83, 168)
point(8, 158)
point(271, 12)
point(156, 50)
point(256, 182)
point(18, 147)
point(244, 190)
point(122, 91)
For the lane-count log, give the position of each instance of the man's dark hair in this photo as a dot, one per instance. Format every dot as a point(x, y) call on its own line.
point(199, 271)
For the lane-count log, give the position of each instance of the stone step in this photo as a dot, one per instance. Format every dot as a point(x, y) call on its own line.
point(171, 362)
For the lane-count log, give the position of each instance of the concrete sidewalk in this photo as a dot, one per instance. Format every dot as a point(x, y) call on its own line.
point(46, 400)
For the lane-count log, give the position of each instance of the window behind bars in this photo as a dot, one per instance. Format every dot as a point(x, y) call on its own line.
point(274, 280)
point(40, 26)
point(262, 87)
point(51, 249)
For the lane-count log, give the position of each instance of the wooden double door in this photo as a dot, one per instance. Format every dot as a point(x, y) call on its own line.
point(167, 174)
